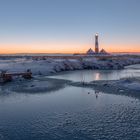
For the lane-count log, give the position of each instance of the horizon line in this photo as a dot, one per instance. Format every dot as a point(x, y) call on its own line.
point(57, 53)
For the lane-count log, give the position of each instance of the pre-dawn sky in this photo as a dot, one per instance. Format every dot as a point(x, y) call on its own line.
point(68, 26)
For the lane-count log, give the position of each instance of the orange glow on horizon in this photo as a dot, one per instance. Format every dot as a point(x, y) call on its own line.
point(68, 48)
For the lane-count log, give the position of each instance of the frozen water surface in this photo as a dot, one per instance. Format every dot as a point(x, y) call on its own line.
point(71, 113)
point(90, 75)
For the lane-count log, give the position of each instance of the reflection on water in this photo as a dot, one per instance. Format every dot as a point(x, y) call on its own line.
point(67, 114)
point(90, 75)
point(97, 76)
point(96, 94)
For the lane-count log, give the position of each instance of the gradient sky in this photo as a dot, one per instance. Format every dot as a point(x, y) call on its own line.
point(67, 26)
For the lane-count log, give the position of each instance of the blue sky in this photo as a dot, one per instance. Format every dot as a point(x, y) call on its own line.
point(41, 21)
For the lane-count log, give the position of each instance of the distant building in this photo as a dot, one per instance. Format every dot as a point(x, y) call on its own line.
point(90, 52)
point(97, 52)
point(103, 52)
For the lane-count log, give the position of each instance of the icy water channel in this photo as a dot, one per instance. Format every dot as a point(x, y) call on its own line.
point(90, 75)
point(71, 113)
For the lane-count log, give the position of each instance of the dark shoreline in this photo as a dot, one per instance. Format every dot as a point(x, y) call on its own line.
point(108, 87)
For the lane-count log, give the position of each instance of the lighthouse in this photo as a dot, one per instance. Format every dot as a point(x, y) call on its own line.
point(96, 44)
point(97, 51)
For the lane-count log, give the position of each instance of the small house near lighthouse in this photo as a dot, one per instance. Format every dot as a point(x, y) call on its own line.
point(90, 52)
point(103, 52)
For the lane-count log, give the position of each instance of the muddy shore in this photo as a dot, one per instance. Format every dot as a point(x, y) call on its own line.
point(126, 86)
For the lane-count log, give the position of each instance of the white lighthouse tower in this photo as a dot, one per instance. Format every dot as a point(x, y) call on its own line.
point(96, 44)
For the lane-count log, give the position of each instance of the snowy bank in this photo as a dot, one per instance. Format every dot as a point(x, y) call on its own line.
point(48, 66)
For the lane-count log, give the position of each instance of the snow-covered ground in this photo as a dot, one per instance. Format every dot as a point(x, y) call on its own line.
point(54, 65)
point(125, 86)
point(122, 85)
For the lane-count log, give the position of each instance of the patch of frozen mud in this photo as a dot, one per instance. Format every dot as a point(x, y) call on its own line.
point(125, 86)
point(36, 85)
